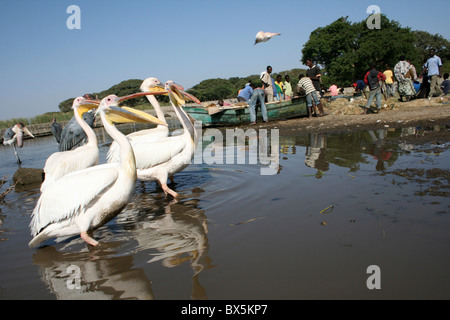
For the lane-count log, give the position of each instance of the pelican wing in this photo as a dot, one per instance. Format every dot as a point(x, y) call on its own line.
point(71, 195)
point(60, 164)
point(136, 138)
point(157, 152)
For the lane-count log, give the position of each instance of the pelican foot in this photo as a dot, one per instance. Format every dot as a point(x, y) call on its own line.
point(88, 239)
point(167, 190)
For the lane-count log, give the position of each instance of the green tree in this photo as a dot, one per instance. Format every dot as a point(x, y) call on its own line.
point(345, 49)
point(66, 105)
point(425, 41)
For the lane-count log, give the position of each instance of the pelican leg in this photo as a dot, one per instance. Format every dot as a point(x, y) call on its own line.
point(167, 190)
point(171, 179)
point(88, 239)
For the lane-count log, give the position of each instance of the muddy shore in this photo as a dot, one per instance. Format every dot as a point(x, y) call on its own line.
point(417, 113)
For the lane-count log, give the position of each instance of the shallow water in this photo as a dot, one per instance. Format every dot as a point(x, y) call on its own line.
point(338, 205)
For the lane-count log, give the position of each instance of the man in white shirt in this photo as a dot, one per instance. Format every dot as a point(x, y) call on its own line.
point(434, 68)
point(266, 80)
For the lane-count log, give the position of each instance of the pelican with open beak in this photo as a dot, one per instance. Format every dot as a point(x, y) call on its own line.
point(159, 159)
point(64, 162)
point(84, 200)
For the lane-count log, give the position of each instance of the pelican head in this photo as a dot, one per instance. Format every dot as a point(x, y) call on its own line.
point(177, 94)
point(152, 85)
point(116, 114)
point(82, 105)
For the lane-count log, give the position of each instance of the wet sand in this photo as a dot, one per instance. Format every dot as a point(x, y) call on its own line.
point(421, 112)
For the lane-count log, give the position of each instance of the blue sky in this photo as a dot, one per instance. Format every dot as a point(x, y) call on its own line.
point(42, 62)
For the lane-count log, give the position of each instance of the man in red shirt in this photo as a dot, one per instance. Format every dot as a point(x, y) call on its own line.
point(373, 78)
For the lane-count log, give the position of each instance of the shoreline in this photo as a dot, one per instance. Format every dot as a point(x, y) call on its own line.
point(420, 112)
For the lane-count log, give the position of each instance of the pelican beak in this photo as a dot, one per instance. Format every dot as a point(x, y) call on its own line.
point(137, 95)
point(25, 129)
point(86, 106)
point(118, 114)
point(159, 89)
point(179, 95)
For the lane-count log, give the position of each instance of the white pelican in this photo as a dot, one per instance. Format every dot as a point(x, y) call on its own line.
point(159, 159)
point(86, 199)
point(61, 163)
point(14, 137)
point(161, 131)
point(265, 36)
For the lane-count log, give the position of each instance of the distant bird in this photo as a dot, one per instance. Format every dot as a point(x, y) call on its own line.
point(56, 130)
point(161, 131)
point(159, 159)
point(84, 200)
point(64, 162)
point(73, 135)
point(265, 36)
point(14, 137)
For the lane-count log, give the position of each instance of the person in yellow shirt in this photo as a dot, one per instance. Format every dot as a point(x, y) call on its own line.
point(279, 87)
point(287, 88)
point(389, 82)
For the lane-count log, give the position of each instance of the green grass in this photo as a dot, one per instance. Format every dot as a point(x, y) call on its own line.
point(43, 118)
point(59, 116)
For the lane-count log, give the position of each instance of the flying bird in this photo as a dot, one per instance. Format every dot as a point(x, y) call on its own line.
point(14, 137)
point(61, 163)
point(265, 36)
point(84, 200)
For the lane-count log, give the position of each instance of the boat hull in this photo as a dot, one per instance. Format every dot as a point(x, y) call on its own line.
point(275, 111)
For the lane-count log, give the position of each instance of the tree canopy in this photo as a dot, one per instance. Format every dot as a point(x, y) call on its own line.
point(346, 49)
point(121, 89)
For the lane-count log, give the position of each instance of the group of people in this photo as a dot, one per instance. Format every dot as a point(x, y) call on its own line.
point(407, 79)
point(276, 90)
point(377, 82)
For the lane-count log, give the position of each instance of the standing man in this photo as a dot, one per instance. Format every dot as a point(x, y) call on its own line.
point(258, 95)
point(314, 74)
point(434, 68)
point(267, 83)
point(373, 78)
point(288, 94)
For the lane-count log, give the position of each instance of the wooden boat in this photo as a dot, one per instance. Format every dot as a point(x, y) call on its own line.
point(239, 114)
